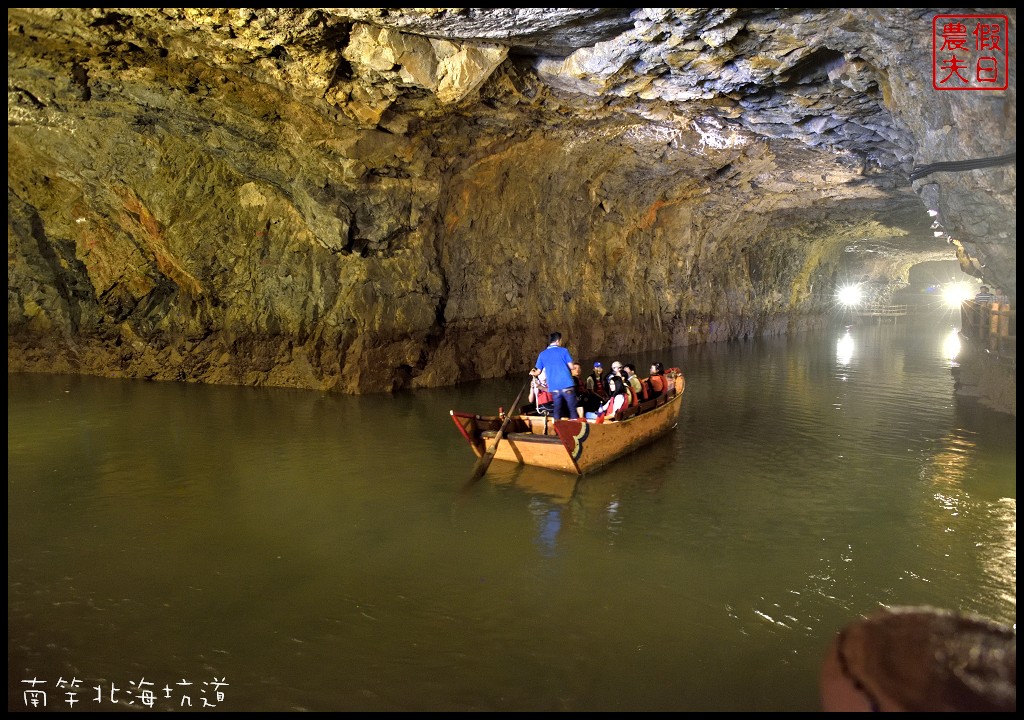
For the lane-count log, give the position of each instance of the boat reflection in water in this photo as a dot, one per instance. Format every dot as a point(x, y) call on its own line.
point(555, 487)
point(597, 501)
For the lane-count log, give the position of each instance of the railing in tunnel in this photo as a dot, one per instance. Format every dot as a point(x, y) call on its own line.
point(992, 326)
point(881, 310)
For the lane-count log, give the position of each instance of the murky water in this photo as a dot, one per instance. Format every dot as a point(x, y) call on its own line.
point(316, 552)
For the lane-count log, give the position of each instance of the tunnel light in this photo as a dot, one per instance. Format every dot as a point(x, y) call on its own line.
point(953, 294)
point(933, 213)
point(939, 233)
point(849, 295)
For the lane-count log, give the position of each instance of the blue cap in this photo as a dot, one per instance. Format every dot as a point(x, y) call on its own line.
point(597, 364)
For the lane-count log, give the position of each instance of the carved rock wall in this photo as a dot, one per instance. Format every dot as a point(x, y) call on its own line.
point(360, 200)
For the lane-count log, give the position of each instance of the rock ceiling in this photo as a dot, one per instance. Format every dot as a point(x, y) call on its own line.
point(364, 199)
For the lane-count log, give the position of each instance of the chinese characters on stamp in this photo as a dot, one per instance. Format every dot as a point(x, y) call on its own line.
point(970, 52)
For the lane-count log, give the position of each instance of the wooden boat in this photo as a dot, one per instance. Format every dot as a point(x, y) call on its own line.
point(574, 446)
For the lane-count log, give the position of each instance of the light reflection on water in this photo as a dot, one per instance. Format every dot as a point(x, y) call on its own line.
point(951, 345)
point(844, 348)
point(317, 551)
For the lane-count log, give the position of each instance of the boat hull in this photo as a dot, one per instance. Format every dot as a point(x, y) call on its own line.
point(571, 446)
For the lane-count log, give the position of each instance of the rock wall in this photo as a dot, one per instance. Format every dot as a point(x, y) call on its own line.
point(301, 199)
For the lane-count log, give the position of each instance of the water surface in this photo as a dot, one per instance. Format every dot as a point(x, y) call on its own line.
point(316, 552)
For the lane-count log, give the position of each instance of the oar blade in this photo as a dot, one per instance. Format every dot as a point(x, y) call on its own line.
point(485, 460)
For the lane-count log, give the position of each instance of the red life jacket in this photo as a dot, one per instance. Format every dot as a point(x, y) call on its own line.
point(614, 404)
point(541, 393)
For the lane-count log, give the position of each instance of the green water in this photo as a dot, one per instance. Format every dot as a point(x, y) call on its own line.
point(314, 552)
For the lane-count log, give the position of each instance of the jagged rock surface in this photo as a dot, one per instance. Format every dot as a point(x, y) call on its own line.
point(369, 199)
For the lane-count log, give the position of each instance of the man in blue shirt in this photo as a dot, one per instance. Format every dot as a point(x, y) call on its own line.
point(556, 363)
point(984, 296)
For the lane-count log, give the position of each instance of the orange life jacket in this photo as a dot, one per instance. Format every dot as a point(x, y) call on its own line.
point(647, 393)
point(657, 385)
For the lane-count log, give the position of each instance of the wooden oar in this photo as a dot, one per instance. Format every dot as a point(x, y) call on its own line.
point(485, 459)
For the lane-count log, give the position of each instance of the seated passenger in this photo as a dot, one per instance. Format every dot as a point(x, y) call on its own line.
point(596, 382)
point(618, 398)
point(587, 401)
point(636, 388)
point(657, 382)
point(580, 387)
point(540, 400)
point(617, 372)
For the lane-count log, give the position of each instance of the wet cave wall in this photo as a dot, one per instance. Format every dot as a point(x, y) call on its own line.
point(371, 202)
